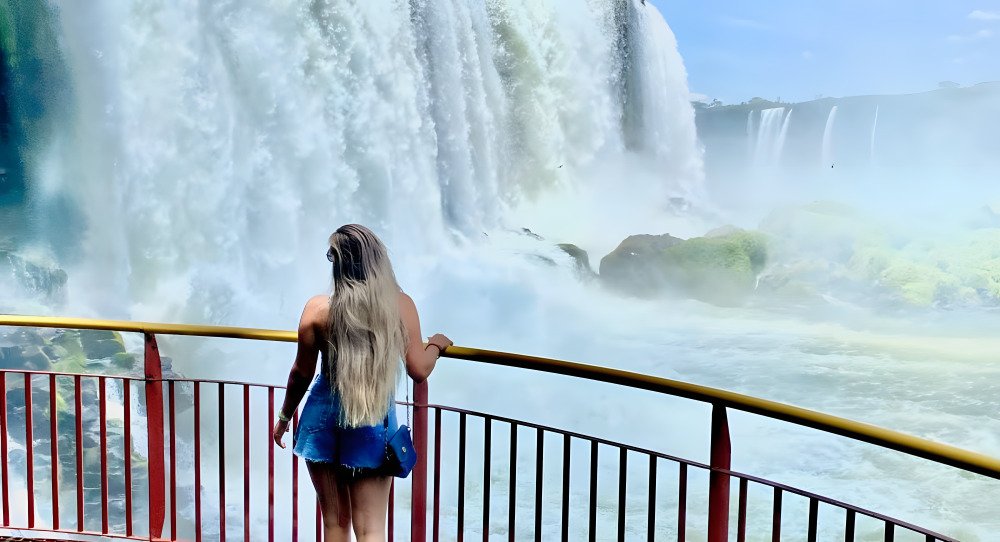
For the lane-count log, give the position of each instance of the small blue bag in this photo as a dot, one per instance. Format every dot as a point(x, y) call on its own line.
point(400, 457)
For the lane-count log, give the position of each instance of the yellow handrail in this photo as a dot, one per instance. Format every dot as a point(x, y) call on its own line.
point(927, 449)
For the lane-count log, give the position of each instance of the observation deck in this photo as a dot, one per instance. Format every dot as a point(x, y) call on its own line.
point(143, 471)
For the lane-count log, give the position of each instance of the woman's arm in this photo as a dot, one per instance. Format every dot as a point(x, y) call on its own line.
point(304, 367)
point(420, 359)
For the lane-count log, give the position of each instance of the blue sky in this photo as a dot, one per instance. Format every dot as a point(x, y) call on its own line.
point(798, 50)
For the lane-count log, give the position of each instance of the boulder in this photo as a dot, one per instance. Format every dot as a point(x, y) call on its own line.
point(721, 269)
point(34, 276)
point(634, 265)
point(580, 258)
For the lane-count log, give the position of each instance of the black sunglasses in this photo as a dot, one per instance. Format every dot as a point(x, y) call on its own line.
point(329, 254)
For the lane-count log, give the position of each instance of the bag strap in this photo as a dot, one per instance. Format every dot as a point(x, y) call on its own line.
point(386, 421)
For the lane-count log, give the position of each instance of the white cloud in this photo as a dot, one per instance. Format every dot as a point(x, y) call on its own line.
point(979, 35)
point(981, 15)
point(699, 97)
point(744, 23)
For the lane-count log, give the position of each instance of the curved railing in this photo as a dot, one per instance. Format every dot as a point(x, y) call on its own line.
point(718, 467)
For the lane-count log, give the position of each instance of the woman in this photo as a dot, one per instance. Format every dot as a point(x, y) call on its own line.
point(361, 331)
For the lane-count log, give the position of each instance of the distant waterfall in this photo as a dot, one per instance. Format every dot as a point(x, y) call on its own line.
point(770, 136)
point(871, 150)
point(780, 147)
point(827, 152)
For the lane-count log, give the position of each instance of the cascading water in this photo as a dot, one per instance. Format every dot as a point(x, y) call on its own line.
point(782, 136)
point(871, 147)
point(230, 155)
point(205, 150)
point(770, 136)
point(827, 152)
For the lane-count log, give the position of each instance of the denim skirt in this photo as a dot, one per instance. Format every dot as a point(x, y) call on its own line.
point(320, 438)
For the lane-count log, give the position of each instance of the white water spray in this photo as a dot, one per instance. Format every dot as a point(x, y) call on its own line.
point(217, 144)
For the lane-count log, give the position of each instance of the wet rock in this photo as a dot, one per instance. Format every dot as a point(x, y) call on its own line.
point(721, 269)
point(580, 258)
point(634, 265)
point(34, 276)
point(99, 344)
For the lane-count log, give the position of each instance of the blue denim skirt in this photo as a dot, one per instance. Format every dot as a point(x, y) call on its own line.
point(320, 438)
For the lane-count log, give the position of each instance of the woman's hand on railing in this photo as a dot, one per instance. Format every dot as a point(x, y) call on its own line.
point(440, 341)
point(279, 431)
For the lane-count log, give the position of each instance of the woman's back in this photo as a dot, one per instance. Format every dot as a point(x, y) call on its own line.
point(360, 334)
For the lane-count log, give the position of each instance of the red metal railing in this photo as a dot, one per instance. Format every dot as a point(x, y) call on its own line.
point(177, 489)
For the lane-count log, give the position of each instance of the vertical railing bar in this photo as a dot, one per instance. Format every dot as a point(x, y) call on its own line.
point(776, 517)
point(222, 463)
point(154, 436)
point(487, 452)
point(461, 477)
point(718, 480)
point(295, 484)
point(418, 483)
point(127, 452)
point(741, 518)
point(890, 533)
point(197, 461)
point(54, 451)
point(29, 445)
point(565, 487)
point(512, 491)
point(319, 522)
point(437, 475)
point(622, 480)
point(3, 449)
point(813, 519)
point(392, 504)
point(539, 471)
point(173, 459)
point(246, 463)
point(103, 419)
point(651, 511)
point(270, 466)
point(78, 422)
point(592, 513)
point(682, 477)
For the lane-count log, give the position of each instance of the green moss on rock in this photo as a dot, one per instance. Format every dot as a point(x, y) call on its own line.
point(101, 344)
point(722, 269)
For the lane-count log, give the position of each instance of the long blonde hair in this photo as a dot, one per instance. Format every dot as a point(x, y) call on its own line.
point(366, 336)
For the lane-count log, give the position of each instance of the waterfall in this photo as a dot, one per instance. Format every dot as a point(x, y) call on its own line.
point(827, 149)
point(770, 136)
point(871, 147)
point(780, 147)
point(214, 145)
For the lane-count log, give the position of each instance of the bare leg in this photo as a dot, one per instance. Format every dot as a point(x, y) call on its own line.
point(369, 504)
point(334, 502)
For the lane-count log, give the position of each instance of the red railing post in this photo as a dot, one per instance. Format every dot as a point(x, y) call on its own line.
point(154, 437)
point(418, 509)
point(718, 483)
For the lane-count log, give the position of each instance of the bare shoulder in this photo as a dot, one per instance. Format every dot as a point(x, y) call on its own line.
point(405, 300)
point(407, 309)
point(315, 312)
